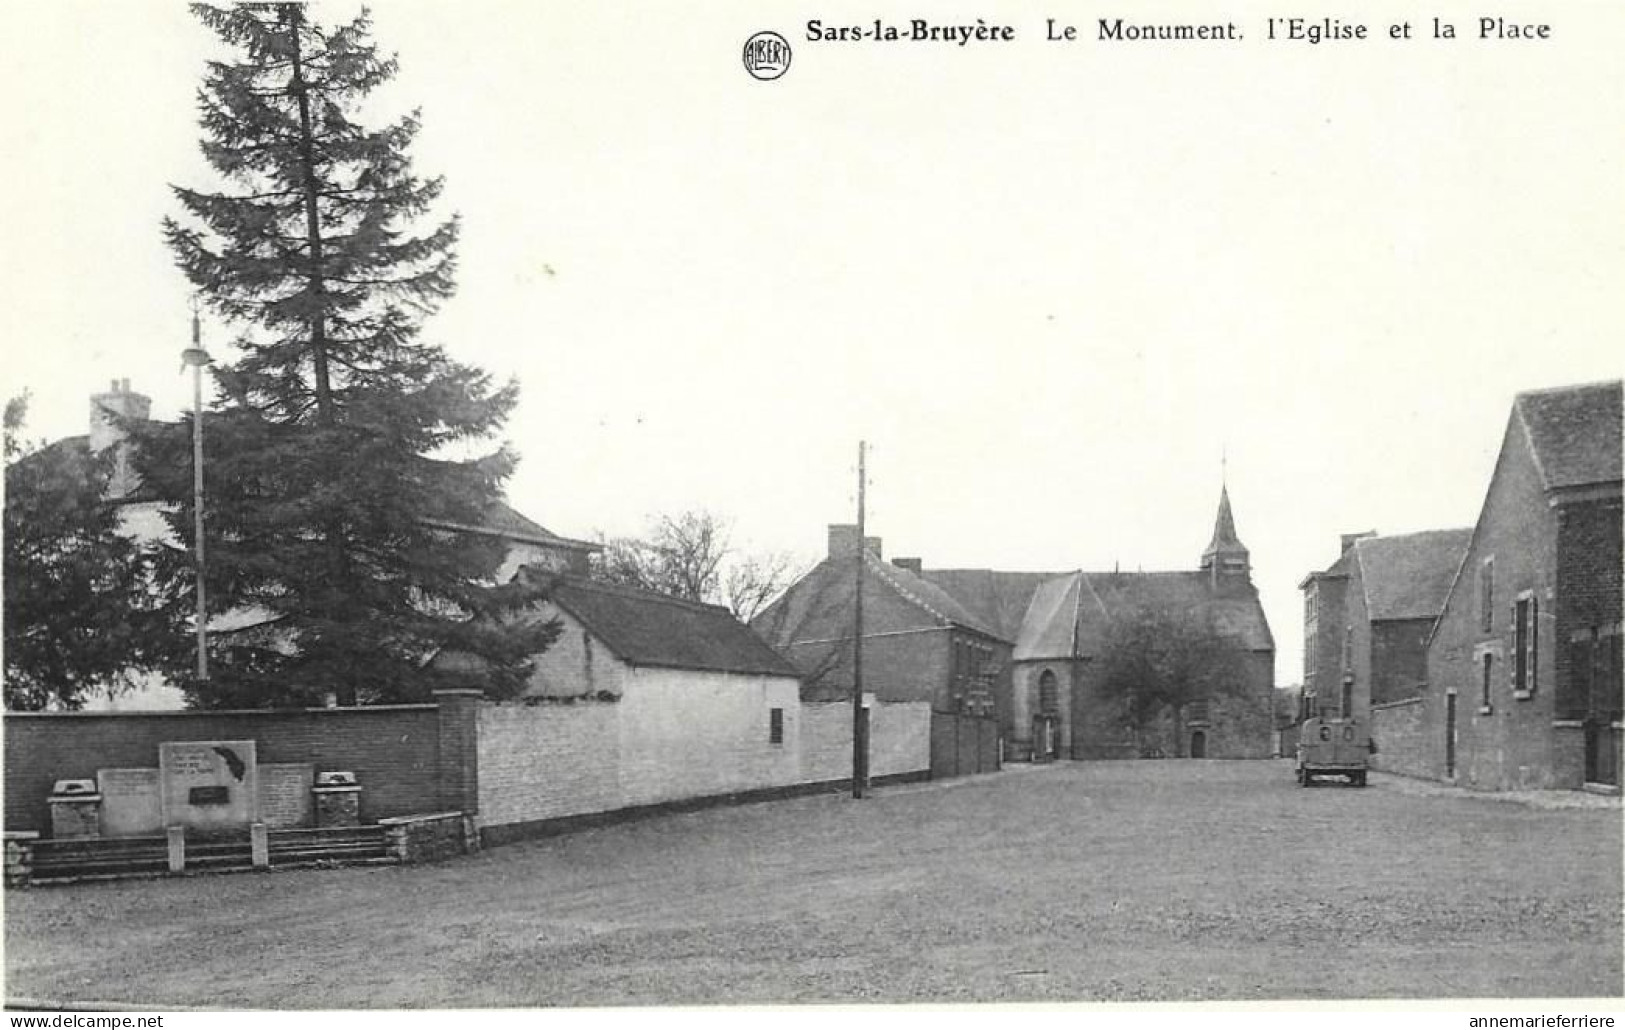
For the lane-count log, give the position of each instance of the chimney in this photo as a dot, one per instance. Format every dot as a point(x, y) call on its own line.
point(843, 542)
point(1349, 539)
point(914, 565)
point(118, 400)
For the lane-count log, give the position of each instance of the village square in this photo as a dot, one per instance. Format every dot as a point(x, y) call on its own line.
point(1096, 707)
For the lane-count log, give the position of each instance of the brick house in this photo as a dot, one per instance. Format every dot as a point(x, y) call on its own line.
point(1367, 618)
point(1524, 668)
point(919, 644)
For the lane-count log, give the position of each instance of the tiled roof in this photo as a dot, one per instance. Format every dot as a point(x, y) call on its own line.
point(1408, 576)
point(928, 595)
point(645, 628)
point(999, 599)
point(1574, 432)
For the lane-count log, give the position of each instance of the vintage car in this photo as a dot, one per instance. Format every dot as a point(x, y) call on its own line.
point(1334, 746)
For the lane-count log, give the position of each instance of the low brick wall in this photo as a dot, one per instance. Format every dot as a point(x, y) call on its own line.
point(1400, 731)
point(395, 751)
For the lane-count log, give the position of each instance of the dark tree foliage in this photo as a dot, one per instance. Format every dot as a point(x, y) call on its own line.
point(326, 487)
point(80, 614)
point(1157, 660)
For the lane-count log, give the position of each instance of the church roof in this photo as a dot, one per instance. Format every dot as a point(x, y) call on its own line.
point(1574, 432)
point(1408, 576)
point(1050, 628)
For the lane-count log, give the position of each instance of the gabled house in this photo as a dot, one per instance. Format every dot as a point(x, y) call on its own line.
point(1368, 615)
point(919, 644)
point(1524, 669)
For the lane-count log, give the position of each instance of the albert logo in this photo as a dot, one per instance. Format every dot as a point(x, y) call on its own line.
point(767, 56)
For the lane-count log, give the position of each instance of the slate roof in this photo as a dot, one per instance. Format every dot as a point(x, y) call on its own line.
point(1066, 613)
point(1239, 615)
point(1574, 432)
point(1050, 629)
point(1408, 576)
point(644, 628)
point(502, 520)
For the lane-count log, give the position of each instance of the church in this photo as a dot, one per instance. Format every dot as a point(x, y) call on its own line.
point(1043, 635)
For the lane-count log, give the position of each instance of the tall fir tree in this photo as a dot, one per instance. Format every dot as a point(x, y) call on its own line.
point(327, 495)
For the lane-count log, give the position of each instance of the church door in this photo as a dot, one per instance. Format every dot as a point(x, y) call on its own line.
point(1199, 744)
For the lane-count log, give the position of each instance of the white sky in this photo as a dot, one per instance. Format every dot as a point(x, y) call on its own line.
point(1048, 283)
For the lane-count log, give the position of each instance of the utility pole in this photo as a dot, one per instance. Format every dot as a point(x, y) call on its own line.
point(860, 720)
point(197, 357)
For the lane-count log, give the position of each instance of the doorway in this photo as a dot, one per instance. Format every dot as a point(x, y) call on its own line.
point(1199, 744)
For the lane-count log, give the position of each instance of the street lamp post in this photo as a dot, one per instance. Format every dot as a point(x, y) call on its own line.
point(197, 357)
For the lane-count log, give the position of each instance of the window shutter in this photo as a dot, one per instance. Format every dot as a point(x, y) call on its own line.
point(1534, 641)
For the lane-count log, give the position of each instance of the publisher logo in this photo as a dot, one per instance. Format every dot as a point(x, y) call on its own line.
point(767, 56)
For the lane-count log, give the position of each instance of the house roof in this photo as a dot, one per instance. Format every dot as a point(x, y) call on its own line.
point(999, 599)
point(502, 520)
point(936, 601)
point(1408, 576)
point(1574, 432)
point(645, 628)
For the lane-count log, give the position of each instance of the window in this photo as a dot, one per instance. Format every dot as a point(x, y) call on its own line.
point(1489, 664)
point(1525, 644)
point(1049, 695)
point(1486, 595)
point(775, 725)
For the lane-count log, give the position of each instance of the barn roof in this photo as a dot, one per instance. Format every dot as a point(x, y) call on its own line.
point(1574, 432)
point(1408, 576)
point(645, 628)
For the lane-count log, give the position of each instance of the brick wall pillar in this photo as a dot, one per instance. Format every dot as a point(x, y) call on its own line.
point(459, 773)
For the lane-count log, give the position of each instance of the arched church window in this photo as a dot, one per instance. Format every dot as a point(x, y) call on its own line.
point(1049, 695)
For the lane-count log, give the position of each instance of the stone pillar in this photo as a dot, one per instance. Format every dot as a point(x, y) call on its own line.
point(459, 773)
point(259, 846)
point(19, 857)
point(177, 848)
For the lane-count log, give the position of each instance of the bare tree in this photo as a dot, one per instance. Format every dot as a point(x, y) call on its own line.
point(692, 555)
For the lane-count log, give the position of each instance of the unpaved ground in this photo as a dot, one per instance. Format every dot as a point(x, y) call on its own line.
point(1086, 881)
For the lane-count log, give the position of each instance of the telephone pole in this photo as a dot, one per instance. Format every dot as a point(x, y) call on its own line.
point(197, 357)
point(860, 715)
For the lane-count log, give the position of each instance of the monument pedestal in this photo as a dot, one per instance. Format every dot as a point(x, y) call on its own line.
point(338, 805)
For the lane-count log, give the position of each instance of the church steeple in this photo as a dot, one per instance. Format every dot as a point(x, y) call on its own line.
point(1226, 555)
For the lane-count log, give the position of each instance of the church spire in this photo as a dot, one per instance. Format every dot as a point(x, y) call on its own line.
point(1225, 553)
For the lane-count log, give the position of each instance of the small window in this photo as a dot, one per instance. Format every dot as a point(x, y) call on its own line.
point(775, 725)
point(1486, 595)
point(1489, 670)
point(1525, 644)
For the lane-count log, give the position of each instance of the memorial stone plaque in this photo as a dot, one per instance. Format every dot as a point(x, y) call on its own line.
point(131, 805)
point(285, 798)
point(209, 785)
